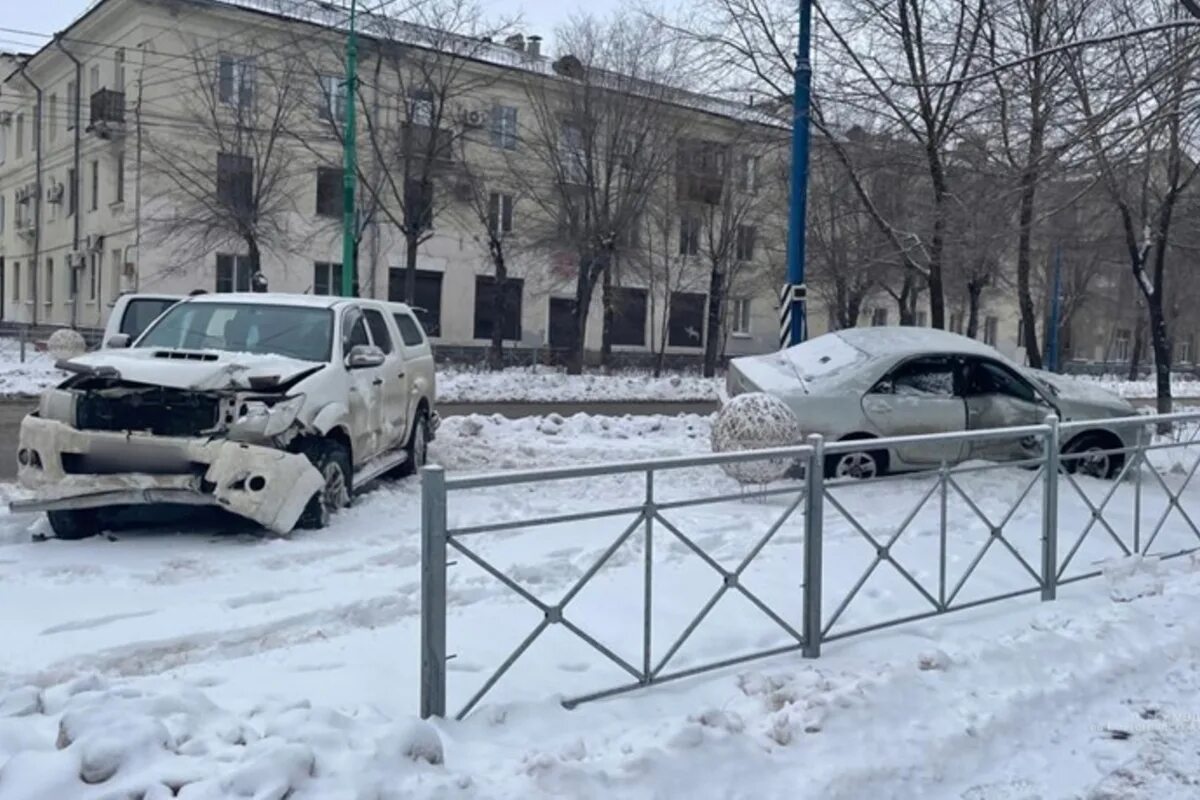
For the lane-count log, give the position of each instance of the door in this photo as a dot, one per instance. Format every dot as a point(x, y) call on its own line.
point(997, 397)
point(919, 396)
point(394, 399)
point(366, 390)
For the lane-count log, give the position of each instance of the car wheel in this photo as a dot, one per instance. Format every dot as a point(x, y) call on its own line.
point(1093, 459)
point(417, 447)
point(332, 460)
point(76, 524)
point(858, 464)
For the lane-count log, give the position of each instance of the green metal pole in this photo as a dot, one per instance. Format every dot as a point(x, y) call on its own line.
point(349, 161)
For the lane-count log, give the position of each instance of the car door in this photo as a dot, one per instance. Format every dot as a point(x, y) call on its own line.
point(918, 396)
point(394, 399)
point(365, 396)
point(997, 397)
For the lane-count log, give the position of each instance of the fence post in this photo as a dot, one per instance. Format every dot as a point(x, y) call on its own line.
point(433, 592)
point(814, 486)
point(1050, 513)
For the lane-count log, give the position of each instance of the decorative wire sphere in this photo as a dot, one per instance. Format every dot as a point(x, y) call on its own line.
point(755, 421)
point(66, 343)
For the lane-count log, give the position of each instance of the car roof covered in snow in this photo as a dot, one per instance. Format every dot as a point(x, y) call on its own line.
point(285, 299)
point(903, 341)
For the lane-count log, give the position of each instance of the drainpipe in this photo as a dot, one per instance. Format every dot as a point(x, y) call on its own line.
point(74, 190)
point(37, 200)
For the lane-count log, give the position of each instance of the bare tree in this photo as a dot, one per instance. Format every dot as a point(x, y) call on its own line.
point(603, 134)
point(1143, 156)
point(664, 270)
point(228, 183)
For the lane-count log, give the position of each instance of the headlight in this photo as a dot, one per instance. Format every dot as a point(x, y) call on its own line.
point(258, 420)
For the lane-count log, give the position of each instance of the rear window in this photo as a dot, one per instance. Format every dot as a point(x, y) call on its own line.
point(410, 332)
point(140, 313)
point(379, 329)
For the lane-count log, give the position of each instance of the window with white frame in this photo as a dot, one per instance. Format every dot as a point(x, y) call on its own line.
point(689, 234)
point(956, 323)
point(235, 80)
point(572, 153)
point(500, 213)
point(420, 107)
point(748, 173)
point(331, 105)
point(744, 243)
point(1122, 341)
point(879, 317)
point(739, 312)
point(20, 151)
point(52, 123)
point(95, 78)
point(1183, 349)
point(504, 127)
point(922, 319)
point(233, 273)
point(119, 70)
point(72, 103)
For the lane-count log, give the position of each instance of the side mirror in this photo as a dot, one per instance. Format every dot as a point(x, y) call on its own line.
point(363, 356)
point(118, 340)
point(884, 387)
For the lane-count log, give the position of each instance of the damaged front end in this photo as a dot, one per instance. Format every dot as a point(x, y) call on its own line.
point(99, 441)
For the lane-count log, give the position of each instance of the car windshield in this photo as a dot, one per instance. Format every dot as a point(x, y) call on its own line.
point(294, 331)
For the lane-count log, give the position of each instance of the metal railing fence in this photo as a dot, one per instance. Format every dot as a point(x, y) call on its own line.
point(1054, 468)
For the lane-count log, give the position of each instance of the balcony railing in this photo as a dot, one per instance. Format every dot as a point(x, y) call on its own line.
point(107, 111)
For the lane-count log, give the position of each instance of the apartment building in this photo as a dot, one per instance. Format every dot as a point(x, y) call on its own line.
point(181, 145)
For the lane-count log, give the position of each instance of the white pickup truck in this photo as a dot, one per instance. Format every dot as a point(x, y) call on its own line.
point(275, 407)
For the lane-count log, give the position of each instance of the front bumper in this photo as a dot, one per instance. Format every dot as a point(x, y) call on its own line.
point(269, 486)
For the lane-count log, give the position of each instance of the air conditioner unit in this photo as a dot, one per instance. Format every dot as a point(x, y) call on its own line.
point(76, 259)
point(54, 193)
point(474, 118)
point(94, 241)
point(6, 117)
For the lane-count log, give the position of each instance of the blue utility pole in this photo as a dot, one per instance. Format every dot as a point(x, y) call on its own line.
point(793, 315)
point(349, 160)
point(1055, 314)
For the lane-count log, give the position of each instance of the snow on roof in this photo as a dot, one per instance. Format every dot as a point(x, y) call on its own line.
point(269, 299)
point(898, 341)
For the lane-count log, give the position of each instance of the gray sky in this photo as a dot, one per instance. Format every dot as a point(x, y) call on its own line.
point(49, 16)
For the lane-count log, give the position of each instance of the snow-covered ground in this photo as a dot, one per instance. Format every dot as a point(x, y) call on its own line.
point(1181, 386)
point(30, 377)
point(550, 385)
point(206, 663)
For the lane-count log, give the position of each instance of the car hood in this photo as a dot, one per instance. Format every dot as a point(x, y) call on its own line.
point(1080, 396)
point(203, 370)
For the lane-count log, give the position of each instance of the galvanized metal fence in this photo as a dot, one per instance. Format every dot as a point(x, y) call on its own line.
point(825, 511)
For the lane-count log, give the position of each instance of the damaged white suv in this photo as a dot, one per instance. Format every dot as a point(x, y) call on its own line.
point(274, 407)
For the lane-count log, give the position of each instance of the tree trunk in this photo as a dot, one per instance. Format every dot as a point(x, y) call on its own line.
point(1135, 355)
point(716, 308)
point(411, 242)
point(254, 256)
point(585, 285)
point(974, 294)
point(500, 310)
point(937, 290)
point(1024, 265)
point(606, 326)
point(1161, 344)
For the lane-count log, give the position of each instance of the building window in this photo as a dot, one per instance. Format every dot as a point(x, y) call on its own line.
point(922, 319)
point(53, 122)
point(72, 104)
point(235, 80)
point(879, 317)
point(93, 274)
point(1183, 350)
point(233, 273)
point(119, 70)
point(629, 316)
point(95, 185)
point(485, 307)
point(990, 326)
point(329, 191)
point(418, 204)
point(427, 298)
point(1122, 344)
point(235, 181)
point(685, 327)
point(72, 192)
point(689, 235)
point(420, 107)
point(740, 316)
point(572, 154)
point(744, 244)
point(114, 271)
point(500, 214)
point(119, 182)
point(1, 213)
point(49, 298)
point(748, 174)
point(20, 151)
point(629, 235)
point(94, 73)
point(332, 105)
point(504, 127)
point(3, 143)
point(16, 281)
point(700, 171)
point(956, 323)
point(327, 279)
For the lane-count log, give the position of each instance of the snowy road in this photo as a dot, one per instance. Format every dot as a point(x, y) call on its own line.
point(230, 664)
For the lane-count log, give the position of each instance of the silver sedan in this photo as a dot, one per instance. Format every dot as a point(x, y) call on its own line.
point(869, 383)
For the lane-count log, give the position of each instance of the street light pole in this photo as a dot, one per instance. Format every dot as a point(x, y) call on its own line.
point(793, 328)
point(349, 160)
point(1055, 313)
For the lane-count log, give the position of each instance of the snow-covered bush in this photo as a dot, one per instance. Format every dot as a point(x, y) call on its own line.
point(66, 343)
point(755, 421)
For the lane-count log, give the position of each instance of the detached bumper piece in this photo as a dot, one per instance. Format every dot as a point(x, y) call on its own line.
point(72, 469)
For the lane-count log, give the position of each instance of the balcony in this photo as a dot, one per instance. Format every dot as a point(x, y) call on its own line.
point(107, 116)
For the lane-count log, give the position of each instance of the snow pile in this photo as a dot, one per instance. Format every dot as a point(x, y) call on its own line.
point(549, 385)
point(33, 376)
